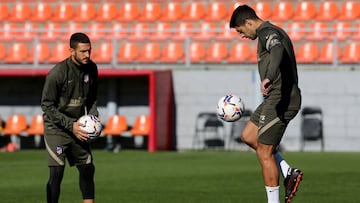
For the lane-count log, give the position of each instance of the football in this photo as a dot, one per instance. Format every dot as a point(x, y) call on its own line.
point(230, 108)
point(92, 125)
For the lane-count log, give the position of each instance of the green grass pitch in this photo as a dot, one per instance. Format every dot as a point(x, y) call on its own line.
point(181, 177)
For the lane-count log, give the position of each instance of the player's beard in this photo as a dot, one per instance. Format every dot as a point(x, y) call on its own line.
point(82, 61)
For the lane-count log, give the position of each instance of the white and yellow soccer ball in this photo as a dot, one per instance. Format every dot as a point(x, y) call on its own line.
point(230, 108)
point(92, 125)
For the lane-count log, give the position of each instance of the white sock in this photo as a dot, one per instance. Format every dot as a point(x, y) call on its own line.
point(273, 194)
point(282, 164)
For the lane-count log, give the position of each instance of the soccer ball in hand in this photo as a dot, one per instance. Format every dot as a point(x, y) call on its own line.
point(230, 108)
point(92, 125)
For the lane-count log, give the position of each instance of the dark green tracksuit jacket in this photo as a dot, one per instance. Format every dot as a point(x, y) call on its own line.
point(276, 61)
point(69, 91)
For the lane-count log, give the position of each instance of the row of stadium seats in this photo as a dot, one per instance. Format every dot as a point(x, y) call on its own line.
point(176, 11)
point(174, 53)
point(51, 32)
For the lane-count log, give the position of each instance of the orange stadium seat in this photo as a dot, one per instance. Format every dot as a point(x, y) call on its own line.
point(69, 29)
point(239, 53)
point(106, 12)
point(305, 10)
point(128, 12)
point(151, 11)
point(2, 52)
point(227, 34)
point(231, 9)
point(171, 12)
point(205, 31)
point(15, 125)
point(51, 32)
point(197, 52)
point(118, 31)
point(172, 52)
point(96, 31)
point(103, 52)
point(7, 31)
point(327, 11)
point(36, 126)
point(183, 30)
point(40, 53)
point(350, 10)
point(115, 125)
point(128, 52)
point(263, 9)
point(20, 12)
point(307, 53)
point(253, 55)
point(41, 12)
point(150, 53)
point(29, 32)
point(319, 31)
point(342, 30)
point(4, 12)
point(327, 53)
point(162, 31)
point(356, 34)
point(59, 52)
point(283, 11)
point(351, 53)
point(17, 53)
point(140, 31)
point(141, 126)
point(85, 12)
point(216, 52)
point(63, 12)
point(296, 30)
point(216, 11)
point(194, 11)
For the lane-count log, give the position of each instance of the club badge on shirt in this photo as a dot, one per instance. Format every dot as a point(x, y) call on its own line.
point(59, 150)
point(86, 78)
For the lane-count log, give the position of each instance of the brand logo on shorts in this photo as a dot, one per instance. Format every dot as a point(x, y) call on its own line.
point(59, 150)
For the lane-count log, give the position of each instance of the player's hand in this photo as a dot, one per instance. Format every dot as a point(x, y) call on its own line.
point(80, 133)
point(265, 86)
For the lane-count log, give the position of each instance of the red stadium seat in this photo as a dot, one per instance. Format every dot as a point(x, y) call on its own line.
point(194, 11)
point(17, 53)
point(40, 53)
point(296, 30)
point(197, 52)
point(305, 10)
point(128, 12)
point(283, 11)
point(327, 53)
point(307, 53)
point(103, 53)
point(216, 11)
point(140, 31)
point(63, 12)
point(350, 10)
point(183, 30)
point(239, 53)
point(128, 52)
point(172, 52)
point(172, 12)
point(42, 12)
point(106, 12)
point(150, 53)
point(8, 31)
point(205, 31)
point(151, 11)
point(263, 9)
point(96, 31)
point(20, 12)
point(328, 11)
point(29, 32)
point(85, 12)
point(51, 32)
point(4, 12)
point(342, 30)
point(319, 31)
point(162, 31)
point(59, 52)
point(351, 53)
point(216, 52)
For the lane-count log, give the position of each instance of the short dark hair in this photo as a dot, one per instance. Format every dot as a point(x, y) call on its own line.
point(242, 13)
point(77, 38)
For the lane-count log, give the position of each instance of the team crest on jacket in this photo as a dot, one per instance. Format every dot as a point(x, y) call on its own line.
point(86, 78)
point(59, 150)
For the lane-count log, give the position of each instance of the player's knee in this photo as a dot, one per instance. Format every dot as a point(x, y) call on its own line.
point(86, 171)
point(56, 174)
